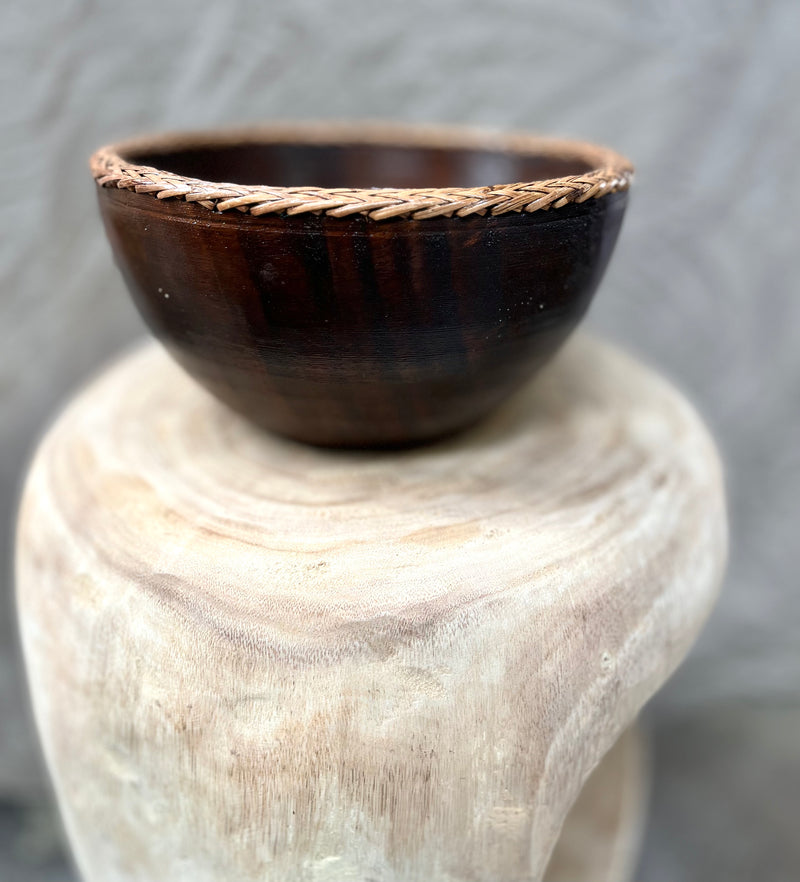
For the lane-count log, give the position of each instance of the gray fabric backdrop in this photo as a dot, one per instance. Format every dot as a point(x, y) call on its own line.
point(701, 94)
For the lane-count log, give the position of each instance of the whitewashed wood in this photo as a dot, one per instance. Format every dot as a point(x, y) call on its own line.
point(255, 660)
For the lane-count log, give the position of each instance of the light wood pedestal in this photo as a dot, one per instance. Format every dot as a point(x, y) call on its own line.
point(253, 660)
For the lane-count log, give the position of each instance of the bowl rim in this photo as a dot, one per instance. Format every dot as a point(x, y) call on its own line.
point(610, 172)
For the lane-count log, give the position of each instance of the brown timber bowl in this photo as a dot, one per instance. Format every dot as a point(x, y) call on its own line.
point(361, 285)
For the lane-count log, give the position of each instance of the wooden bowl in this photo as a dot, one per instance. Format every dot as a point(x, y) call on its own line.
point(383, 286)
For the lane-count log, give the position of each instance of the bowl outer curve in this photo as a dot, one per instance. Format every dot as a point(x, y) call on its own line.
point(347, 332)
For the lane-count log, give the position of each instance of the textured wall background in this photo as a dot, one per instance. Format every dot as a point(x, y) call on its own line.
point(703, 95)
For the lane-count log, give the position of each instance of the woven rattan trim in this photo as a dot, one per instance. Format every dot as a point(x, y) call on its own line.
point(612, 174)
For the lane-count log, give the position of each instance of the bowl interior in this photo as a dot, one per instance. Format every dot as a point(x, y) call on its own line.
point(356, 166)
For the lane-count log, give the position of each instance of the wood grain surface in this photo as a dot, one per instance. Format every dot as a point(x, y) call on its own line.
point(251, 660)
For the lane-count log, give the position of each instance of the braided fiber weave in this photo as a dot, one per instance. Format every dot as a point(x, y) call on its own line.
point(611, 174)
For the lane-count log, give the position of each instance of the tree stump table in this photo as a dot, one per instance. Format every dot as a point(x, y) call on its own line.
point(255, 660)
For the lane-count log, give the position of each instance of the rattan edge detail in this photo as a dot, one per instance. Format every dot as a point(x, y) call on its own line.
point(612, 174)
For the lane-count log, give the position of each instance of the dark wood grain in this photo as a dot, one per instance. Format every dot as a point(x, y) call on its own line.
point(351, 332)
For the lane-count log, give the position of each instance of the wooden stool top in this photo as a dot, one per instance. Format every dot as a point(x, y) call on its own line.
point(475, 622)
